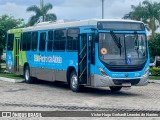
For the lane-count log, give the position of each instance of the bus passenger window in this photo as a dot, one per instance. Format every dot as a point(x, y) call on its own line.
point(50, 41)
point(26, 41)
point(59, 39)
point(42, 41)
point(34, 41)
point(10, 42)
point(72, 39)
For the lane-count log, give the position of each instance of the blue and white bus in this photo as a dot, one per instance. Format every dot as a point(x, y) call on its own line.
point(96, 53)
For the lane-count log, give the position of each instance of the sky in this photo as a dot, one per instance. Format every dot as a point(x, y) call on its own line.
point(71, 9)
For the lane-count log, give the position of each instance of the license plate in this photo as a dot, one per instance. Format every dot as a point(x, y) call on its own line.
point(126, 84)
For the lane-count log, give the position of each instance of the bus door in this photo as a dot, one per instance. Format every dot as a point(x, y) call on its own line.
point(17, 46)
point(84, 58)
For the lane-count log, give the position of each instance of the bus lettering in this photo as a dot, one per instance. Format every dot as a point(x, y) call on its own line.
point(47, 59)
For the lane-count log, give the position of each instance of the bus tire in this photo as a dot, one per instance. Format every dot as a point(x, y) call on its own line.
point(28, 78)
point(74, 85)
point(115, 88)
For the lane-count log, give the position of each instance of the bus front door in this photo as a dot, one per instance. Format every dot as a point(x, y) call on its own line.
point(84, 59)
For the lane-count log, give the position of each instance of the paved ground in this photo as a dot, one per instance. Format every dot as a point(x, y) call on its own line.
point(47, 96)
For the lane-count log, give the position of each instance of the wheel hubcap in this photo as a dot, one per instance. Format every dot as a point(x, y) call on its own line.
point(27, 74)
point(74, 81)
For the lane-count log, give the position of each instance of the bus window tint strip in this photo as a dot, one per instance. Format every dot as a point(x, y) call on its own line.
point(10, 42)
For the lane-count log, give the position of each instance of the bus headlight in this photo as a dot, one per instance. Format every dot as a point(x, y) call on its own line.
point(103, 73)
point(146, 72)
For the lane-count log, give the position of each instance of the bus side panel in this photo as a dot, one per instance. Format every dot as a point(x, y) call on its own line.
point(10, 61)
point(51, 66)
point(68, 59)
point(12, 57)
point(22, 61)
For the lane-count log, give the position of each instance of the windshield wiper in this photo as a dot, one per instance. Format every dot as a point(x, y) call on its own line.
point(136, 41)
point(136, 36)
point(116, 40)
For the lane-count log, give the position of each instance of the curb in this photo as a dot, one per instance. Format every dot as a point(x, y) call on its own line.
point(154, 81)
point(11, 80)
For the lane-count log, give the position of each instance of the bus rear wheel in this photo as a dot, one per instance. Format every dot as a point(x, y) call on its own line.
point(115, 88)
point(28, 78)
point(74, 85)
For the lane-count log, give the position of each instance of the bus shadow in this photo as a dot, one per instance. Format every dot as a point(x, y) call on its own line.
point(88, 90)
point(55, 84)
point(108, 92)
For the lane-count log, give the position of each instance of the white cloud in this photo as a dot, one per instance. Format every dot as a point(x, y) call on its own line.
point(18, 11)
point(76, 12)
point(85, 9)
point(119, 8)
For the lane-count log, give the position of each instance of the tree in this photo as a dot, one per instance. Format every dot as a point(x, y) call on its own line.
point(154, 46)
point(6, 23)
point(41, 12)
point(148, 12)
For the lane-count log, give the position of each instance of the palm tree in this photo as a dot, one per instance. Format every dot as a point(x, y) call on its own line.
point(148, 12)
point(41, 12)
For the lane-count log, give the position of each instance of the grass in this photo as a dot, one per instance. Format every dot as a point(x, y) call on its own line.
point(9, 75)
point(154, 77)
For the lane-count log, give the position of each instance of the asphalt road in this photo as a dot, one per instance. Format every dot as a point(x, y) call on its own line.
point(47, 96)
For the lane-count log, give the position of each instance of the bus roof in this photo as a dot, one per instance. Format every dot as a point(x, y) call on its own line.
point(65, 24)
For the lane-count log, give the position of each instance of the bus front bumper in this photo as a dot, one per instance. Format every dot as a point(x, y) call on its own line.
point(102, 81)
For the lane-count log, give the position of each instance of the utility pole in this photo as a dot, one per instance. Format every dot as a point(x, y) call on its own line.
point(102, 9)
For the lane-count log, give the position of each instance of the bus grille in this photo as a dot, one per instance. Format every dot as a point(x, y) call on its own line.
point(132, 81)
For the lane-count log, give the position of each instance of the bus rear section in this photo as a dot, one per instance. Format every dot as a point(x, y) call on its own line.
point(13, 50)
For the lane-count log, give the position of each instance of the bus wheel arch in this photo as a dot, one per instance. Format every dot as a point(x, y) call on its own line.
point(74, 83)
point(72, 79)
point(69, 72)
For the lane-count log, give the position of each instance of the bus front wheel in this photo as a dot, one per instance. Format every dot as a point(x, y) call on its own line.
point(115, 88)
point(74, 85)
point(27, 76)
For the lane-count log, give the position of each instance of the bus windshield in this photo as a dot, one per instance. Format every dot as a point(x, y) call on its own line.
point(129, 49)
